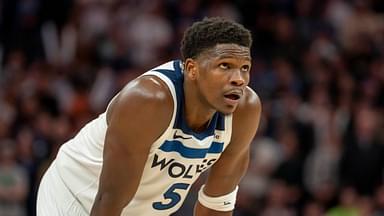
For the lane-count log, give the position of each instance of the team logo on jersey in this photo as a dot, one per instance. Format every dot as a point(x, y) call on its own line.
point(217, 136)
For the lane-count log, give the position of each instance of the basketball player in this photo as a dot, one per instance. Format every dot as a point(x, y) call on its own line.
point(161, 132)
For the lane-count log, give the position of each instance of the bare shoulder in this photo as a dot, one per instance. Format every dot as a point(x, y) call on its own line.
point(146, 93)
point(143, 101)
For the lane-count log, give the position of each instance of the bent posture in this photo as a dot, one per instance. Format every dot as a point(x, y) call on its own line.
point(161, 132)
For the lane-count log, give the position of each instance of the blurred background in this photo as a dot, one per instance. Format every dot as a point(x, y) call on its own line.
point(318, 67)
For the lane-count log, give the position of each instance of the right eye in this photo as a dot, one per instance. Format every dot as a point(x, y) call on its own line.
point(224, 66)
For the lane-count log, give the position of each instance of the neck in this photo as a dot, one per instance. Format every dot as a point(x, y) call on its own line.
point(197, 113)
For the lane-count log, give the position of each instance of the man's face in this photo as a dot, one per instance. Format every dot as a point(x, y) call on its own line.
point(222, 76)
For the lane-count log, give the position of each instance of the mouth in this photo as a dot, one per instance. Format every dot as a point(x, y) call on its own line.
point(233, 97)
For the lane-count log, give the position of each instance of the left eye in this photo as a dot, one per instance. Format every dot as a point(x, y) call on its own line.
point(245, 68)
point(224, 66)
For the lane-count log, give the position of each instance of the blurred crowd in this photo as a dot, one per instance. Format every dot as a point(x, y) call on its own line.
point(318, 67)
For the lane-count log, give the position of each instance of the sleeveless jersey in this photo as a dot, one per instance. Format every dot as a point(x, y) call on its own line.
point(175, 161)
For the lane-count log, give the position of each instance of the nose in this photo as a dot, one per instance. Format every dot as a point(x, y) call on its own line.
point(237, 78)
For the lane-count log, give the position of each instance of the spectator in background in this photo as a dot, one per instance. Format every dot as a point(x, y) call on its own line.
point(362, 160)
point(379, 201)
point(278, 200)
point(266, 155)
point(150, 35)
point(26, 158)
point(13, 182)
point(313, 208)
point(348, 203)
point(290, 170)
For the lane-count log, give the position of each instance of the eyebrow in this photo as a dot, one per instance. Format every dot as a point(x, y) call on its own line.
point(248, 58)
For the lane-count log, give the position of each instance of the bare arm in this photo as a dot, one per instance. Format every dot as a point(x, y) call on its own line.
point(136, 118)
point(227, 172)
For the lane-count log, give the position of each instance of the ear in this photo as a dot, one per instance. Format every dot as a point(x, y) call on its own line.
point(190, 67)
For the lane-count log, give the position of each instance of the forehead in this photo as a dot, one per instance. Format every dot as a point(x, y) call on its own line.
point(221, 51)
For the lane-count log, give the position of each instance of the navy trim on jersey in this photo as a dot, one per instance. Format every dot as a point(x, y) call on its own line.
point(177, 78)
point(187, 152)
point(220, 122)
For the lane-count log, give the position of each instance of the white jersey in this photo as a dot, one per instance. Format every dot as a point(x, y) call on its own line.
point(175, 160)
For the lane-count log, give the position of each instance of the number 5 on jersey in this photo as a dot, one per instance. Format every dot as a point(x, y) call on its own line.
point(172, 195)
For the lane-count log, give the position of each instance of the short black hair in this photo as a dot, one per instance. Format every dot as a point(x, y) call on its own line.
point(209, 32)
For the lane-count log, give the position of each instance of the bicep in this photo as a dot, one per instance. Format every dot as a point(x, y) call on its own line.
point(124, 155)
